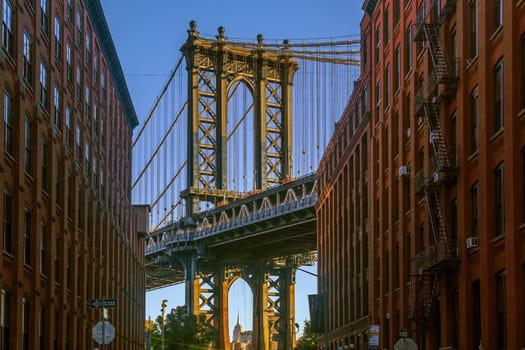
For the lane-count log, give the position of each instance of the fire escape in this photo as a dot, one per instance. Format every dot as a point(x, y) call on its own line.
point(441, 168)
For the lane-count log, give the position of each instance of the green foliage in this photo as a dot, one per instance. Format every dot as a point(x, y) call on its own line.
point(183, 331)
point(308, 340)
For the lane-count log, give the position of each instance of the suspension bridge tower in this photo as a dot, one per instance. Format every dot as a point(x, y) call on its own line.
point(216, 71)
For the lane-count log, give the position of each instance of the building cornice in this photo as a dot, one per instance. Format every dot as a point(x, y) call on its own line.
point(98, 20)
point(369, 6)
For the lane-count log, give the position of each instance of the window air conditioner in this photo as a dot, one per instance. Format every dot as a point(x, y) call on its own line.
point(404, 170)
point(433, 137)
point(472, 242)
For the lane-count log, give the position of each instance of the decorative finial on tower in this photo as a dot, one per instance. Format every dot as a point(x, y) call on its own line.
point(192, 32)
point(238, 318)
point(221, 36)
point(260, 39)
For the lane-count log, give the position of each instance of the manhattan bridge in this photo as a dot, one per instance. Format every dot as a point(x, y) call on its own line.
point(226, 162)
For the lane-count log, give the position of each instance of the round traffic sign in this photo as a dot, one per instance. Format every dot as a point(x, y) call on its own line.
point(103, 332)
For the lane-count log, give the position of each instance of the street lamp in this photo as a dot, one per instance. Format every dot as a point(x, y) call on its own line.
point(163, 307)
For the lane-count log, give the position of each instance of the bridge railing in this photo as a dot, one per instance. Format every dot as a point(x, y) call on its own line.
point(161, 240)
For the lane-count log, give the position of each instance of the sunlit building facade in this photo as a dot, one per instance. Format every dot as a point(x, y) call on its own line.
point(65, 169)
point(343, 226)
point(446, 171)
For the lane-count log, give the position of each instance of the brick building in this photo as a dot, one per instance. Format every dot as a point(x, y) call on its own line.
point(446, 227)
point(67, 233)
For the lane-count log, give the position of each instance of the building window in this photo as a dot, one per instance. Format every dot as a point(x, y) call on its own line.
point(79, 84)
point(78, 143)
point(88, 103)
point(498, 14)
point(69, 63)
point(70, 10)
point(7, 27)
point(386, 25)
point(5, 320)
point(42, 327)
point(501, 317)
point(499, 200)
point(473, 17)
point(27, 236)
point(69, 132)
point(25, 324)
point(522, 154)
point(378, 101)
point(522, 65)
point(378, 45)
point(27, 145)
point(8, 223)
point(8, 124)
point(474, 207)
point(43, 85)
point(474, 121)
point(88, 48)
point(387, 86)
point(44, 16)
point(87, 159)
point(28, 58)
point(103, 84)
point(79, 28)
point(43, 249)
point(56, 105)
point(498, 96)
point(397, 69)
point(58, 39)
point(44, 165)
point(408, 48)
point(95, 68)
point(397, 12)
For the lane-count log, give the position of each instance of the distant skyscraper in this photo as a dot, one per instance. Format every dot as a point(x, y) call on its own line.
point(242, 340)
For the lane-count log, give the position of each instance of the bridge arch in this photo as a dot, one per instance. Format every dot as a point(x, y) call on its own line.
point(240, 135)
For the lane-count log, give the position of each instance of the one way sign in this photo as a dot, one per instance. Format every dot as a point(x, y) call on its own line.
point(98, 303)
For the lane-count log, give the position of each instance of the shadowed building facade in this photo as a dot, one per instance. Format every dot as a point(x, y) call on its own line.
point(446, 167)
point(67, 235)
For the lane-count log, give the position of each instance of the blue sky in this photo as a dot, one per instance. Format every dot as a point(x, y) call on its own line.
point(148, 36)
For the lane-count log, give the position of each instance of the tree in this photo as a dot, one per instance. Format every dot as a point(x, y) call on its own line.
point(185, 331)
point(308, 341)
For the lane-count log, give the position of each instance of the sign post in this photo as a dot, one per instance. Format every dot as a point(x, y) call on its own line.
point(103, 332)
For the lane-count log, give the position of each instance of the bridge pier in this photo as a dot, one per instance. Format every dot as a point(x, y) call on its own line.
point(272, 285)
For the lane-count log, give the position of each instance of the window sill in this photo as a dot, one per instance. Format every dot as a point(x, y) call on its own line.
point(498, 239)
point(520, 2)
point(472, 156)
point(471, 62)
point(521, 228)
point(521, 113)
point(497, 134)
point(496, 33)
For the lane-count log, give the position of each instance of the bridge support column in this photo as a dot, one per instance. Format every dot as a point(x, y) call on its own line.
point(191, 282)
point(274, 308)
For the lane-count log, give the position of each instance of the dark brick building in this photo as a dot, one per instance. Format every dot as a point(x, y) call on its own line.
point(65, 168)
point(446, 171)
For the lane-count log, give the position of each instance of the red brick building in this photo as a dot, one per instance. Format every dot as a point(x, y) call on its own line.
point(65, 168)
point(446, 172)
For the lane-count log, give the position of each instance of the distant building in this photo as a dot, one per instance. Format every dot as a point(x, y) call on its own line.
point(445, 181)
point(242, 340)
point(68, 227)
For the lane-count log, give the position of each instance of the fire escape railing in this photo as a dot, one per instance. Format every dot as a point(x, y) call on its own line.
point(441, 167)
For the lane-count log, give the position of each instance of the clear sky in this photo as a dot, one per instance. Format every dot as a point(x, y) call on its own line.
point(148, 36)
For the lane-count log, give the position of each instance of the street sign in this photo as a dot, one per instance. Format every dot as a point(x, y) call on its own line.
point(98, 303)
point(373, 338)
point(103, 332)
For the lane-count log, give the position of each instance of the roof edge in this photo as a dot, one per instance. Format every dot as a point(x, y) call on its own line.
point(100, 25)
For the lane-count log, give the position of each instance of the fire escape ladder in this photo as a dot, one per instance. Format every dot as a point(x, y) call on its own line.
point(445, 159)
point(422, 295)
point(437, 221)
